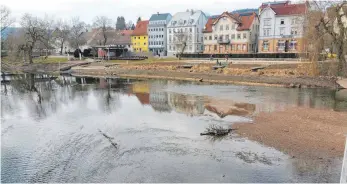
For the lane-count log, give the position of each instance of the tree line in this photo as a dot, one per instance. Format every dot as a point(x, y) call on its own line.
point(44, 33)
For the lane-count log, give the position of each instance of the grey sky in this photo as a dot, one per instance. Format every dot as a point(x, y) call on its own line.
point(130, 9)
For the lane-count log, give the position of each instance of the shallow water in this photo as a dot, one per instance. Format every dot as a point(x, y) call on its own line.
point(71, 129)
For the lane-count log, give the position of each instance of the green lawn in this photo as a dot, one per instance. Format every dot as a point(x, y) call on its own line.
point(50, 60)
point(149, 60)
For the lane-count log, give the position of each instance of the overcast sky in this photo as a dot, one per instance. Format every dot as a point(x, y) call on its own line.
point(130, 9)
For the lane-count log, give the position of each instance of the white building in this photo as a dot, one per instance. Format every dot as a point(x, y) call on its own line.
point(185, 32)
point(281, 28)
point(157, 33)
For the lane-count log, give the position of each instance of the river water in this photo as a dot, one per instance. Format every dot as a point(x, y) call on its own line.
point(71, 129)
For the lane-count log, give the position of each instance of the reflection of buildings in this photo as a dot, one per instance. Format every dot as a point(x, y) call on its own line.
point(160, 101)
point(187, 104)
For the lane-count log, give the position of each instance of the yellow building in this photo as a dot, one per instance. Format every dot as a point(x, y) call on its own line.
point(139, 38)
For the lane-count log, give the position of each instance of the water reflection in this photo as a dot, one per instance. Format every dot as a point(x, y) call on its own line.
point(74, 129)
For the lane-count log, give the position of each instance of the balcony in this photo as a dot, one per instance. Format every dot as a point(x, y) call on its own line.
point(223, 41)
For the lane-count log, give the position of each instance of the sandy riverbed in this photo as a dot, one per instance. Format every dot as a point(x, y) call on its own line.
point(300, 132)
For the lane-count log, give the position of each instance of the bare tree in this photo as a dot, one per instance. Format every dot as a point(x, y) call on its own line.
point(129, 25)
point(103, 24)
point(6, 19)
point(35, 31)
point(327, 25)
point(180, 39)
point(61, 33)
point(76, 32)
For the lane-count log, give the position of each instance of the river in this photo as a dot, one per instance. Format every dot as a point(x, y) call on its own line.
point(72, 129)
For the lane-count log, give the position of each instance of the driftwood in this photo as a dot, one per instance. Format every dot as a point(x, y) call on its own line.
point(216, 130)
point(109, 139)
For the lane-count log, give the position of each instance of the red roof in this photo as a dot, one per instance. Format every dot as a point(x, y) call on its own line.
point(141, 28)
point(127, 32)
point(245, 21)
point(208, 26)
point(291, 9)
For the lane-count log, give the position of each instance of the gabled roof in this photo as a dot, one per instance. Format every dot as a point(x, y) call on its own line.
point(208, 25)
point(244, 21)
point(113, 38)
point(291, 9)
point(186, 18)
point(159, 16)
point(141, 28)
point(288, 9)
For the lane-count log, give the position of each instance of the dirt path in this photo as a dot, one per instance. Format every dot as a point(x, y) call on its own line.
point(300, 132)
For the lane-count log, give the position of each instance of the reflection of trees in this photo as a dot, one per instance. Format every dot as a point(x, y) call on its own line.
point(39, 92)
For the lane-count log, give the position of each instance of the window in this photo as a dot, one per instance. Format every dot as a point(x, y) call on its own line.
point(244, 36)
point(244, 48)
point(215, 37)
point(226, 27)
point(190, 48)
point(134, 43)
point(238, 47)
point(170, 37)
point(190, 30)
point(169, 30)
point(267, 32)
point(267, 22)
point(282, 21)
point(157, 36)
point(233, 47)
point(197, 30)
point(221, 27)
point(233, 26)
point(293, 44)
point(135, 38)
point(144, 37)
point(295, 21)
point(282, 31)
point(265, 45)
point(215, 47)
point(210, 37)
point(281, 45)
point(239, 36)
point(220, 37)
point(144, 43)
point(227, 37)
point(294, 31)
point(174, 48)
point(139, 37)
point(190, 37)
point(170, 47)
point(233, 36)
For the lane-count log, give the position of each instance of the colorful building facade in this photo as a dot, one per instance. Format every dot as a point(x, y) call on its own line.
point(139, 37)
point(231, 33)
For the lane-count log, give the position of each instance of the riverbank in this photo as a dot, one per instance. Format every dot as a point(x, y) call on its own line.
point(285, 75)
point(299, 132)
point(280, 74)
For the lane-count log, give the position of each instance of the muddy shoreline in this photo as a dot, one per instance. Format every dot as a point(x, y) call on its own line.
point(276, 81)
point(300, 132)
